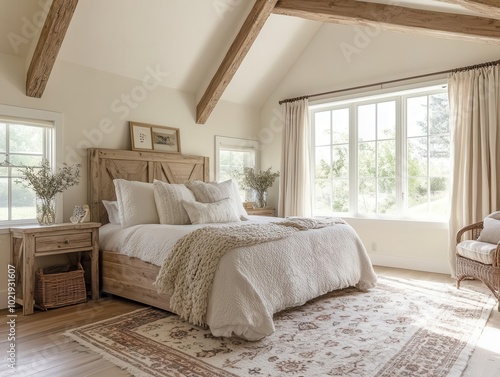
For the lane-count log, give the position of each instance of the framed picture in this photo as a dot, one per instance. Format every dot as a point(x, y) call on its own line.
point(149, 137)
point(141, 137)
point(166, 139)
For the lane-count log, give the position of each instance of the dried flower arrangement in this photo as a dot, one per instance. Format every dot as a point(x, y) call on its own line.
point(260, 181)
point(47, 184)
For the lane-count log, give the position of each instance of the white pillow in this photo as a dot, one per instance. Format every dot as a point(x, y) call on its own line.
point(213, 191)
point(238, 202)
point(491, 228)
point(112, 210)
point(217, 212)
point(168, 199)
point(136, 203)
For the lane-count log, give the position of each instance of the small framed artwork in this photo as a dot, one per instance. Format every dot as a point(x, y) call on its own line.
point(166, 139)
point(141, 136)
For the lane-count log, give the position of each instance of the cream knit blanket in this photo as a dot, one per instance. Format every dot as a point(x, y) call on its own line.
point(187, 273)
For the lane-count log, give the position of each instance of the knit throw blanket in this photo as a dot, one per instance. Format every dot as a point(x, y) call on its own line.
point(187, 273)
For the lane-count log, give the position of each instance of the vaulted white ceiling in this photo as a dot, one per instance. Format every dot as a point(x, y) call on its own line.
point(186, 38)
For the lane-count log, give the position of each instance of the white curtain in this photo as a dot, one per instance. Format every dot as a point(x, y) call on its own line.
point(295, 197)
point(474, 97)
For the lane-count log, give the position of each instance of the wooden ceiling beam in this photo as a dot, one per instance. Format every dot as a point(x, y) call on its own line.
point(490, 8)
point(49, 43)
point(396, 18)
point(232, 61)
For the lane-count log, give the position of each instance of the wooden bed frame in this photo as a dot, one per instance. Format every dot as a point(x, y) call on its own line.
point(122, 275)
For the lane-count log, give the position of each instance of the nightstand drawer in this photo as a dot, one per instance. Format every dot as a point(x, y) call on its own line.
point(50, 243)
point(261, 211)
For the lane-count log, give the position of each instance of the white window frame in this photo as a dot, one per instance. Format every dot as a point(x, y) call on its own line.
point(224, 142)
point(352, 101)
point(53, 120)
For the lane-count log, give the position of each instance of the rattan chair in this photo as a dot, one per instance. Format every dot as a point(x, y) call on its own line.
point(468, 268)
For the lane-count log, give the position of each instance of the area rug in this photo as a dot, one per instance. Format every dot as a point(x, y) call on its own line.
point(399, 328)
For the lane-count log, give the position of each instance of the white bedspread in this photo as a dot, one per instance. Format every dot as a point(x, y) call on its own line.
point(254, 282)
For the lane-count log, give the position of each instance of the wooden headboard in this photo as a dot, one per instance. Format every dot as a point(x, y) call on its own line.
point(104, 165)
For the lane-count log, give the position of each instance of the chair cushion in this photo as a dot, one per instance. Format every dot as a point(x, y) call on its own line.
point(491, 228)
point(476, 250)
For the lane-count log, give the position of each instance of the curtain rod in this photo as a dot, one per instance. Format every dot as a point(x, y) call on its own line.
point(454, 70)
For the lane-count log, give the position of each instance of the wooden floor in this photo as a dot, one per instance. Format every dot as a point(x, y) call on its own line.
point(42, 350)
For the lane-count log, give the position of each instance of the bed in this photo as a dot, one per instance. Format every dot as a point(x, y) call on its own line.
point(251, 282)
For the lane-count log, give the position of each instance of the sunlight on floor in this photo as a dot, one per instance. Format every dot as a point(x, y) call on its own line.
point(489, 339)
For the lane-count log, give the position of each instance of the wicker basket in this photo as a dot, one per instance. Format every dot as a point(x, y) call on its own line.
point(58, 286)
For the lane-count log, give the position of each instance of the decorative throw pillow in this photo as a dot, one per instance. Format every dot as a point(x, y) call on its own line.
point(168, 198)
point(214, 191)
point(491, 228)
point(217, 212)
point(136, 203)
point(112, 210)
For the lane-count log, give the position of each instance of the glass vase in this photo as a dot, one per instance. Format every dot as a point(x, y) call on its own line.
point(260, 199)
point(46, 211)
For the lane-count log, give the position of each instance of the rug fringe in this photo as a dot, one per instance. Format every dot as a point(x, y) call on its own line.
point(106, 355)
point(462, 361)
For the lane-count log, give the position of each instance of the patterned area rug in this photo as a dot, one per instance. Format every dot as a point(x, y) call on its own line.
point(399, 328)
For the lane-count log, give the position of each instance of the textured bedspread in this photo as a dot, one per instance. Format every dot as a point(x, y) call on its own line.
point(253, 282)
point(188, 271)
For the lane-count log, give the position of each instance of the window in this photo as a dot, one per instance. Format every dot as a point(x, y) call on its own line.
point(384, 156)
point(232, 155)
point(23, 141)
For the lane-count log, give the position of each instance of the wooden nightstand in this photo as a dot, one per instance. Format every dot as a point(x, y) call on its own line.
point(32, 241)
point(261, 211)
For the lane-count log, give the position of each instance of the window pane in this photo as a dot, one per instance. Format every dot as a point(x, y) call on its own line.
point(3, 170)
point(225, 157)
point(439, 204)
point(387, 196)
point(417, 157)
point(416, 116)
point(366, 122)
point(236, 159)
point(26, 139)
point(23, 202)
point(340, 161)
point(417, 196)
point(340, 125)
point(366, 160)
point(4, 199)
point(367, 200)
point(439, 114)
point(26, 160)
point(322, 129)
point(323, 162)
point(340, 195)
point(439, 163)
point(386, 158)
point(3, 138)
point(386, 120)
point(322, 196)
point(231, 164)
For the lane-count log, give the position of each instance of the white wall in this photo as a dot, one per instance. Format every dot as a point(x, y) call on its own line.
point(91, 102)
point(342, 57)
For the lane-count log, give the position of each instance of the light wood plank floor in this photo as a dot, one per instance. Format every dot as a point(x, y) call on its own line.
point(43, 351)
